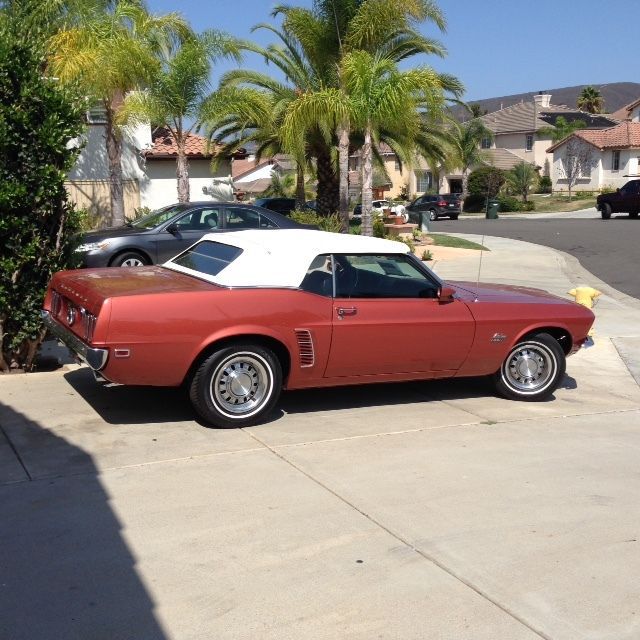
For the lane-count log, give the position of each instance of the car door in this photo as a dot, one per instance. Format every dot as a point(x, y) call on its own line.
point(182, 232)
point(628, 197)
point(388, 319)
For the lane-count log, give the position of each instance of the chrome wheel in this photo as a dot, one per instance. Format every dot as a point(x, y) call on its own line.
point(433, 215)
point(529, 367)
point(241, 385)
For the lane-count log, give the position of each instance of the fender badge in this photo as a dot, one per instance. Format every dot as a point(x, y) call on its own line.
point(498, 337)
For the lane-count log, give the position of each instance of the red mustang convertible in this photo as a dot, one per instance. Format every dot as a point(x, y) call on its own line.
point(239, 317)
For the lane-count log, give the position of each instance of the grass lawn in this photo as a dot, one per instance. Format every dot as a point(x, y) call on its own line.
point(557, 203)
point(442, 240)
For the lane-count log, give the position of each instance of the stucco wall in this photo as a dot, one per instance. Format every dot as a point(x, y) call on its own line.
point(159, 187)
point(92, 163)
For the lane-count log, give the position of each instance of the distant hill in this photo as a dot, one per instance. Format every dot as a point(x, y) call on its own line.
point(616, 95)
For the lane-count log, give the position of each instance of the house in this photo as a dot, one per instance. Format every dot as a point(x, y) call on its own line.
point(148, 168)
point(252, 177)
point(601, 157)
point(517, 134)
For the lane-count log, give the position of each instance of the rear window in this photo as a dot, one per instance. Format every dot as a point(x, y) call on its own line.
point(208, 257)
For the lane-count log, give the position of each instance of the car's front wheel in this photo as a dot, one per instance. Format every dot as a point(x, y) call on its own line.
point(605, 211)
point(129, 259)
point(532, 370)
point(236, 386)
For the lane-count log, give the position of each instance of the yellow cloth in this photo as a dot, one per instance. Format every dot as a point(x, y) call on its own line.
point(585, 295)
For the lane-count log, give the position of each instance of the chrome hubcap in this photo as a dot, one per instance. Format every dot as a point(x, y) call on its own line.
point(529, 367)
point(241, 384)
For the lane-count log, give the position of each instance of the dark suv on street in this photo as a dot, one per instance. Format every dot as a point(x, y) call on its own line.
point(623, 200)
point(444, 205)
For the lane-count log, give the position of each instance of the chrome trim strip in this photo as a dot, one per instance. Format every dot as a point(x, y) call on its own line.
point(95, 358)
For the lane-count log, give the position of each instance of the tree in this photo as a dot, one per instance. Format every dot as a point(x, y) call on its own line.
point(591, 100)
point(110, 53)
point(522, 178)
point(465, 140)
point(177, 93)
point(312, 44)
point(576, 161)
point(38, 118)
point(561, 129)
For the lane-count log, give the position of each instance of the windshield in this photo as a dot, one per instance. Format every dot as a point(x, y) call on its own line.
point(156, 218)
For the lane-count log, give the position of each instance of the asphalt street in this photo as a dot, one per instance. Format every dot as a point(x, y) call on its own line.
point(607, 248)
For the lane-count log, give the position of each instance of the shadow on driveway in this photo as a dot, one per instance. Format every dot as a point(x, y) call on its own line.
point(65, 570)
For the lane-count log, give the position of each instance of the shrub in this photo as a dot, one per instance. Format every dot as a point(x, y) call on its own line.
point(486, 181)
point(544, 185)
point(508, 203)
point(378, 228)
point(474, 203)
point(37, 227)
point(325, 223)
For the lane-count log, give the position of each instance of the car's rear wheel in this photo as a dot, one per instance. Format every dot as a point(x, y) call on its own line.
point(454, 217)
point(532, 370)
point(433, 215)
point(129, 259)
point(605, 211)
point(236, 386)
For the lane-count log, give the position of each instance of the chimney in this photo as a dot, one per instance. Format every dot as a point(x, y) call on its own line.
point(542, 99)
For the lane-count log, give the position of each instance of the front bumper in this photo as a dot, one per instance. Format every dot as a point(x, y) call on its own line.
point(95, 358)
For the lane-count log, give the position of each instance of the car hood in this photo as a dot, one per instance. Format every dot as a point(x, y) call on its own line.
point(111, 232)
point(491, 292)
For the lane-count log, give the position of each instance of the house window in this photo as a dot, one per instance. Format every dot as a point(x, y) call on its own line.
point(529, 142)
point(486, 143)
point(615, 160)
point(424, 181)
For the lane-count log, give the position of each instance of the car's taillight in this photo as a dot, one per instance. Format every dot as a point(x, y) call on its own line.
point(56, 303)
point(442, 203)
point(88, 325)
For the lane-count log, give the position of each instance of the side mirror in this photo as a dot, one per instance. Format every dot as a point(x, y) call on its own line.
point(446, 294)
point(172, 229)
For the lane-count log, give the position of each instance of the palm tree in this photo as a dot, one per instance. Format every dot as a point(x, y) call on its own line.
point(311, 44)
point(591, 100)
point(522, 178)
point(176, 95)
point(465, 139)
point(110, 53)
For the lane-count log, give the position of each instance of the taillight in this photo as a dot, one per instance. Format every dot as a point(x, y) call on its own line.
point(56, 303)
point(88, 325)
point(442, 203)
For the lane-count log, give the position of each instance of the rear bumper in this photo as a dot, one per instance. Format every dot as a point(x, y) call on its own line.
point(95, 358)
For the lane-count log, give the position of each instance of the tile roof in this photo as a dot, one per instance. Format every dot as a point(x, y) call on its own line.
point(623, 136)
point(528, 116)
point(624, 112)
point(164, 145)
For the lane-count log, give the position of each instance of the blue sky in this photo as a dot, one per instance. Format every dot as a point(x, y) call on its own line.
point(495, 47)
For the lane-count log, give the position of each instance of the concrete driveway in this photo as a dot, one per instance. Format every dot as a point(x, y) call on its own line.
point(422, 510)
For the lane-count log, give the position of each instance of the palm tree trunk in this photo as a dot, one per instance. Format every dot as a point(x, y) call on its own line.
point(328, 190)
point(367, 184)
point(343, 165)
point(114, 157)
point(182, 171)
point(301, 196)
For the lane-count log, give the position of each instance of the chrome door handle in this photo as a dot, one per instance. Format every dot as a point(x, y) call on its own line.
point(346, 311)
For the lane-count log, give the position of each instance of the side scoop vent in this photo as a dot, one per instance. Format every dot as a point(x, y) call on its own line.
point(305, 348)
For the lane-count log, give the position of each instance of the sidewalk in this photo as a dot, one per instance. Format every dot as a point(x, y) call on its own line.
point(399, 512)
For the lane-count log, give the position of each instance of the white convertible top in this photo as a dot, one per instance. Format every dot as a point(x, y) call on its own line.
point(281, 257)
